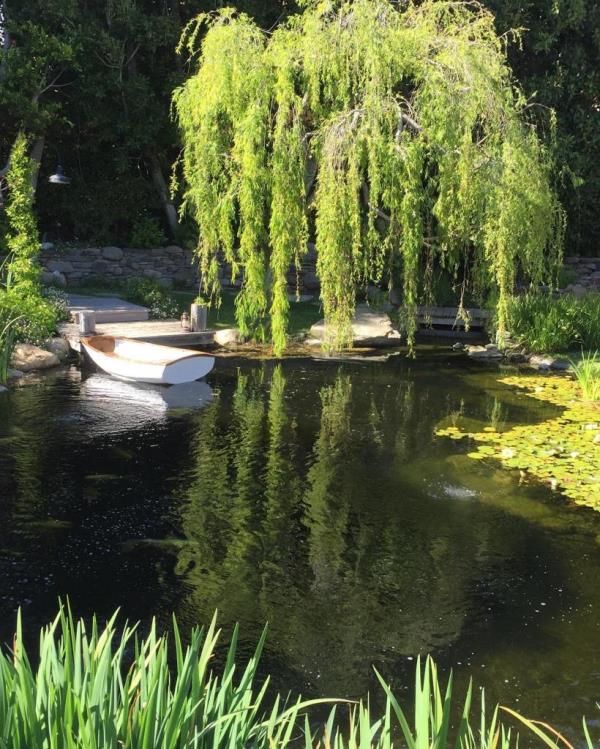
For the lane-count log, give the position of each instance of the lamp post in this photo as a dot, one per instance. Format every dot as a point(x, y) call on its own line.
point(58, 177)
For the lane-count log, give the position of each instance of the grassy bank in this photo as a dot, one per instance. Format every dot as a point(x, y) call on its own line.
point(544, 323)
point(169, 303)
point(103, 688)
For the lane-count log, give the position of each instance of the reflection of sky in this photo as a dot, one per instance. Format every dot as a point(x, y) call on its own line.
point(108, 406)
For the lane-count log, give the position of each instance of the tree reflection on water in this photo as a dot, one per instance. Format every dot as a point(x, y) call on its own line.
point(303, 512)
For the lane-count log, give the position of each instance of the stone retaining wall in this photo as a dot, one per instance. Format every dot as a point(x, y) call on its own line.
point(305, 276)
point(168, 265)
point(175, 266)
point(588, 274)
point(72, 266)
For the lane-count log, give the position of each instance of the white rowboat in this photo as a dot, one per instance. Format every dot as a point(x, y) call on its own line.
point(146, 362)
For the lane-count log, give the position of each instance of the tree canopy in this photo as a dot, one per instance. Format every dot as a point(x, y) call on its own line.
point(90, 84)
point(556, 60)
point(424, 152)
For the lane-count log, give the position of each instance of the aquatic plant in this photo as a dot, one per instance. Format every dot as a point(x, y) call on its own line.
point(7, 341)
point(587, 374)
point(403, 129)
point(544, 323)
point(98, 688)
point(549, 736)
point(563, 452)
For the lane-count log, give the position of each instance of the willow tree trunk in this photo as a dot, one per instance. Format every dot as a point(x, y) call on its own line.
point(164, 195)
point(37, 151)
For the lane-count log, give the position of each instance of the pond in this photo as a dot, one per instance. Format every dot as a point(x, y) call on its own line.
point(312, 494)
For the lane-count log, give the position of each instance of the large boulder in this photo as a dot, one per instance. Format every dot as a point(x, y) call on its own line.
point(29, 358)
point(100, 267)
point(59, 347)
point(59, 279)
point(484, 352)
point(227, 337)
point(62, 266)
point(112, 253)
point(369, 328)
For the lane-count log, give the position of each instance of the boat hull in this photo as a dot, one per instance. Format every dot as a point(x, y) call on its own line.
point(136, 361)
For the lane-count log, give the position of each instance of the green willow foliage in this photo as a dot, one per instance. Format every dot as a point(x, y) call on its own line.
point(24, 313)
point(424, 154)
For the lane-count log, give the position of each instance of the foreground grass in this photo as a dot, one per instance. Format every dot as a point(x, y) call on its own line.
point(105, 688)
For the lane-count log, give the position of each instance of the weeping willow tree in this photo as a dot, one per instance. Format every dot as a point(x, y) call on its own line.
point(424, 150)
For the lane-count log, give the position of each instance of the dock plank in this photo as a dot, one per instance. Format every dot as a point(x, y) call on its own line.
point(106, 309)
point(162, 332)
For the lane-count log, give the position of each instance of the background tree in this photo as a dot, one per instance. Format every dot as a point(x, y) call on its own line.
point(556, 61)
point(412, 117)
point(93, 81)
point(117, 141)
point(37, 62)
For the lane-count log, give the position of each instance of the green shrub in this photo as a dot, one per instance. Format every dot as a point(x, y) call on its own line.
point(24, 313)
point(58, 299)
point(566, 276)
point(544, 323)
point(152, 295)
point(147, 233)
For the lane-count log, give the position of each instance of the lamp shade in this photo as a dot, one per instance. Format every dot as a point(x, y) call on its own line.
point(59, 177)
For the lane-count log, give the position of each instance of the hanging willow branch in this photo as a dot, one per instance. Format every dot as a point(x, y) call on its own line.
point(411, 117)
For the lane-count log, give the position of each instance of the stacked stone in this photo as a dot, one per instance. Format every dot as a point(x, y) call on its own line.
point(73, 266)
point(588, 274)
point(304, 277)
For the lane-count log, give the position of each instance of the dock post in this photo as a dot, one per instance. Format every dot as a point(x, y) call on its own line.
point(87, 322)
point(198, 318)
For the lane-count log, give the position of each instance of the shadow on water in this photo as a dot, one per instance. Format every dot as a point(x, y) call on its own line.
point(314, 496)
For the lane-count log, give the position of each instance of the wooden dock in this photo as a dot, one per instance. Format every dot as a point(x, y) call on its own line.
point(106, 309)
point(163, 332)
point(443, 322)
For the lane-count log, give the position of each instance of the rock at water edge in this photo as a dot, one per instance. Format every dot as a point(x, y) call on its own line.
point(484, 352)
point(227, 337)
point(59, 347)
point(369, 328)
point(29, 358)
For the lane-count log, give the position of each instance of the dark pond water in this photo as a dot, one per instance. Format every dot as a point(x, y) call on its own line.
point(315, 496)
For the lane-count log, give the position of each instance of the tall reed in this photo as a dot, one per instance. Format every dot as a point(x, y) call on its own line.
point(547, 324)
point(7, 341)
point(587, 373)
point(105, 688)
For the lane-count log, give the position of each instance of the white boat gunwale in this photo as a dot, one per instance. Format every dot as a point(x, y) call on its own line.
point(160, 364)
